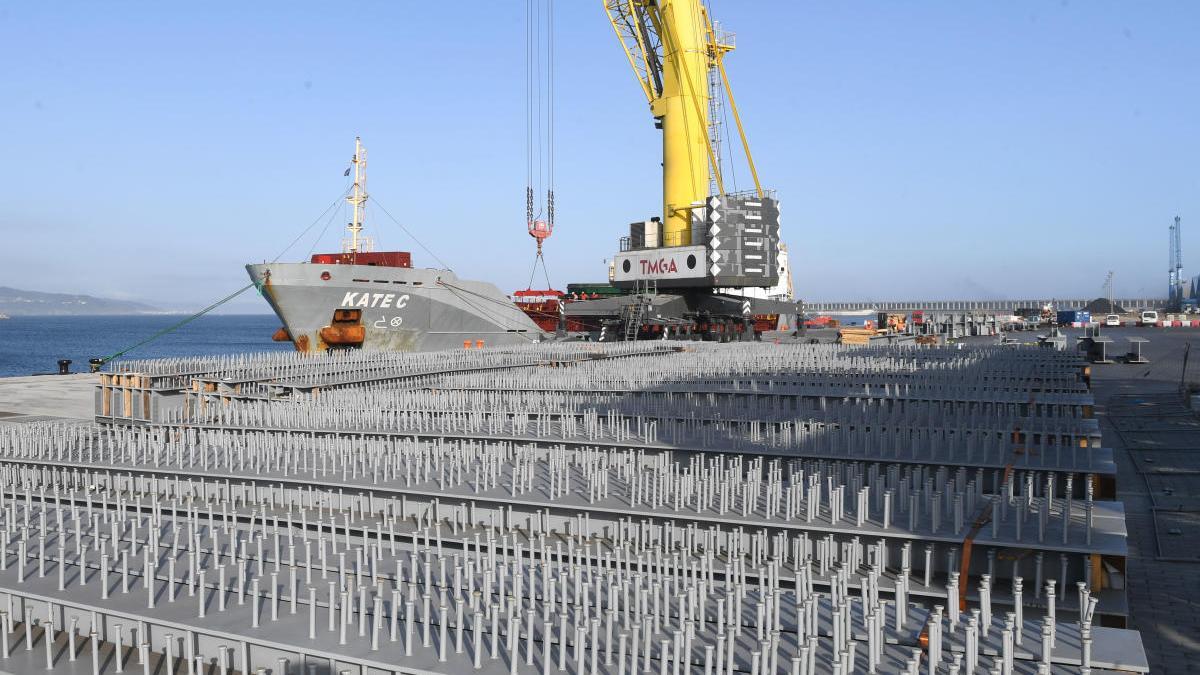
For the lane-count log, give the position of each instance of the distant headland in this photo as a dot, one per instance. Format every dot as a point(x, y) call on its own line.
point(17, 302)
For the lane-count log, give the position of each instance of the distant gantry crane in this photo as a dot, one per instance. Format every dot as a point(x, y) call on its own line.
point(1175, 284)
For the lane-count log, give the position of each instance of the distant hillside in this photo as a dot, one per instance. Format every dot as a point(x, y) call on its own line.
point(15, 302)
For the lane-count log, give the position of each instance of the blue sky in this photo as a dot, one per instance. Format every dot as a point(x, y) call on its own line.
point(933, 149)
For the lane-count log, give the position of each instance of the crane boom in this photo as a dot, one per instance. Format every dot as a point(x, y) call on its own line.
point(671, 46)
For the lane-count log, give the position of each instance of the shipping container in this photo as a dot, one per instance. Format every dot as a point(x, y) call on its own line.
point(1071, 317)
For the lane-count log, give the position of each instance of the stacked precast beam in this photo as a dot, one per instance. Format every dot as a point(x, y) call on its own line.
point(584, 509)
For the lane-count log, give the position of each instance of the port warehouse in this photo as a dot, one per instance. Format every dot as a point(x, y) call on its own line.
point(607, 508)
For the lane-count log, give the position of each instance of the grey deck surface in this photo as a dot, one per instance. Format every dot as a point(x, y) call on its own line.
point(1155, 439)
point(67, 396)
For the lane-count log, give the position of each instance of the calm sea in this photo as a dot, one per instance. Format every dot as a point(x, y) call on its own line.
point(30, 344)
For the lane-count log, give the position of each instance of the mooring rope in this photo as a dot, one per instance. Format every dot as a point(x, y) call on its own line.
point(175, 326)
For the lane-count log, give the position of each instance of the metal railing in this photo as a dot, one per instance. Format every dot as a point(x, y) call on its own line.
point(768, 193)
point(668, 240)
point(977, 305)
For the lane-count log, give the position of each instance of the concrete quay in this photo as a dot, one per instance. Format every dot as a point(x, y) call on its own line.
point(25, 399)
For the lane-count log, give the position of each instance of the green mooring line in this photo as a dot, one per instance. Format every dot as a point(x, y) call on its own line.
point(182, 323)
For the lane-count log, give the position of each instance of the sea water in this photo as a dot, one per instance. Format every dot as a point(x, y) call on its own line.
point(34, 344)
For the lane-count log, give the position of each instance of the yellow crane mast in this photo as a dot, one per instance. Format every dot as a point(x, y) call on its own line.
point(672, 47)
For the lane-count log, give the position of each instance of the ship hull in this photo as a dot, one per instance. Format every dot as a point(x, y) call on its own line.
point(398, 308)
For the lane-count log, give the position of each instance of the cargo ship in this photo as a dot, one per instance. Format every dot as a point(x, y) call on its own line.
point(376, 300)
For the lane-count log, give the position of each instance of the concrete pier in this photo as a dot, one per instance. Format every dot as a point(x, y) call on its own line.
point(25, 399)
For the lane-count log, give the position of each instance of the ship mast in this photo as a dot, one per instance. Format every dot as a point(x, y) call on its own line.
point(358, 197)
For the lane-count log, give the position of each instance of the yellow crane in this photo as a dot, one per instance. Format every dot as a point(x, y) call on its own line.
point(692, 271)
point(673, 48)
